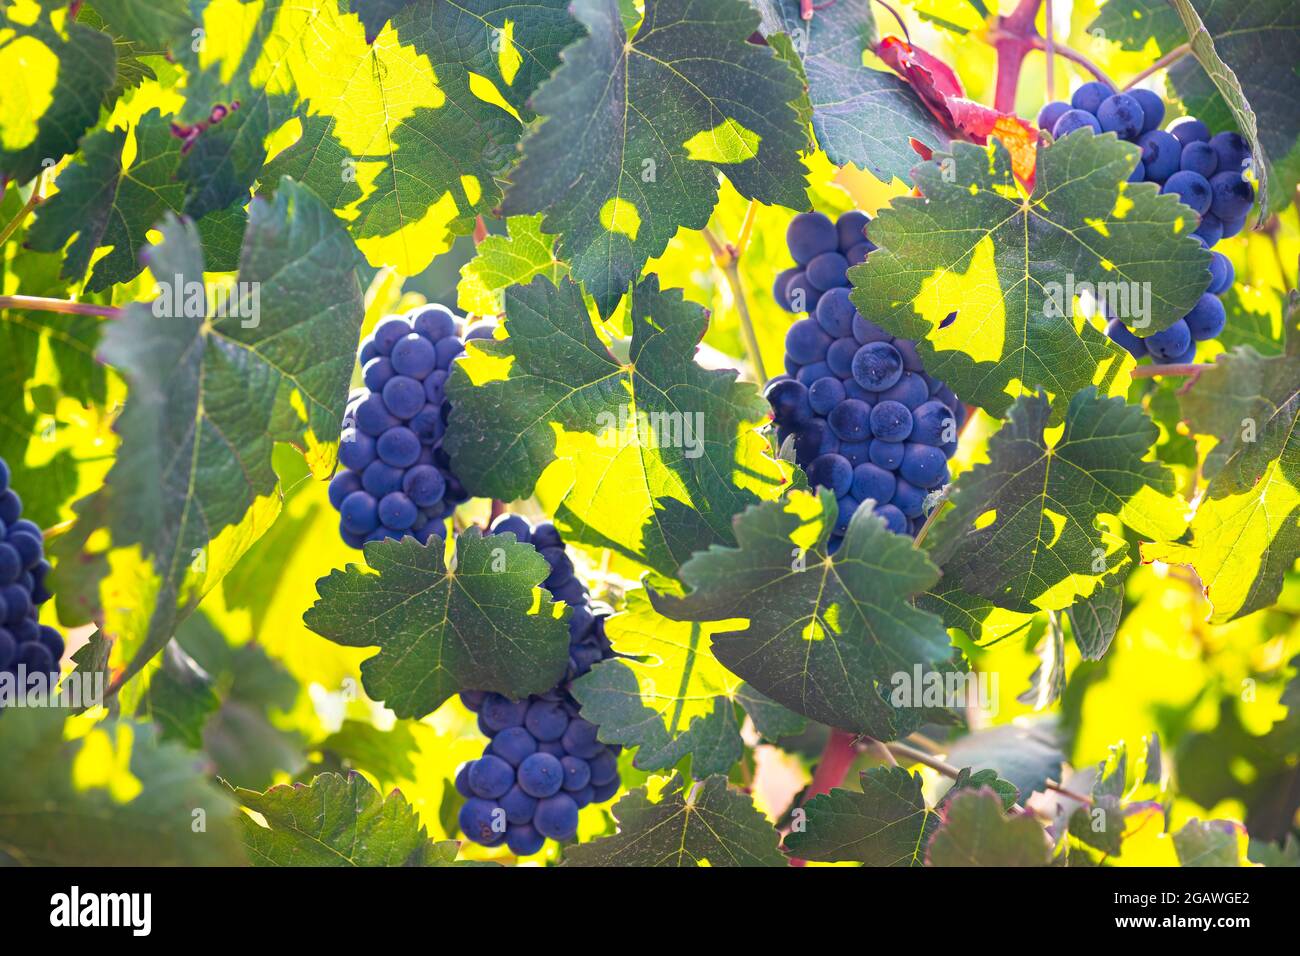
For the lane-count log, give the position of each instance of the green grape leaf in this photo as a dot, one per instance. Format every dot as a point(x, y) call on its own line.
point(106, 206)
point(1285, 853)
point(212, 389)
point(1037, 525)
point(242, 737)
point(1255, 317)
point(441, 630)
point(156, 23)
point(49, 479)
point(180, 698)
point(636, 130)
point(979, 618)
point(1101, 826)
point(1133, 24)
point(337, 821)
point(502, 261)
point(1247, 80)
point(132, 71)
point(665, 693)
point(770, 719)
point(112, 796)
point(1024, 756)
point(976, 832)
point(1095, 619)
point(1245, 534)
point(826, 634)
point(887, 824)
point(966, 780)
point(675, 444)
point(684, 824)
point(56, 80)
point(1010, 268)
point(385, 754)
point(1211, 843)
point(861, 116)
point(376, 13)
point(515, 44)
point(409, 149)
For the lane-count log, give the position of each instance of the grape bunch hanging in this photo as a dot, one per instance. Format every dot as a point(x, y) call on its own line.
point(24, 642)
point(543, 762)
point(396, 478)
point(1206, 172)
point(866, 419)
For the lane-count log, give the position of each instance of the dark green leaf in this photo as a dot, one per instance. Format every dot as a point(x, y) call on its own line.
point(826, 635)
point(156, 23)
point(103, 205)
point(684, 824)
point(1247, 52)
point(114, 796)
point(1210, 843)
point(976, 832)
point(665, 694)
point(442, 630)
point(861, 116)
point(1245, 534)
point(887, 824)
point(66, 73)
point(636, 129)
point(337, 821)
point(1029, 529)
point(1094, 621)
point(1025, 756)
point(674, 443)
point(192, 487)
point(770, 719)
point(180, 698)
point(1010, 267)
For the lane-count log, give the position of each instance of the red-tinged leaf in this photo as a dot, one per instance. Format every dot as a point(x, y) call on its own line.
point(933, 79)
point(941, 91)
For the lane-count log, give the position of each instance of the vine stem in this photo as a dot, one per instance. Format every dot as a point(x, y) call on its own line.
point(33, 303)
point(727, 258)
point(1049, 47)
point(907, 752)
point(1012, 36)
point(32, 202)
point(1153, 371)
point(1074, 56)
point(1170, 58)
point(903, 26)
point(837, 756)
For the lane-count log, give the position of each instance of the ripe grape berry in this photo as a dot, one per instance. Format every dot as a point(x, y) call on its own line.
point(30, 652)
point(1205, 172)
point(543, 762)
point(864, 418)
point(396, 480)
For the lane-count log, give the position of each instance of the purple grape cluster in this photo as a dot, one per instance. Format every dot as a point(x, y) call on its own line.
point(543, 762)
point(1206, 172)
point(866, 418)
point(396, 479)
point(823, 252)
point(24, 642)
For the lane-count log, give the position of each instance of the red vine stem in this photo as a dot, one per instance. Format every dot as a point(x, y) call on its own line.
point(1012, 37)
point(34, 303)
